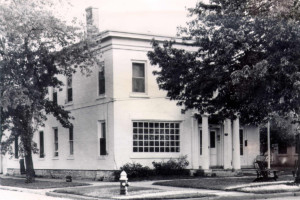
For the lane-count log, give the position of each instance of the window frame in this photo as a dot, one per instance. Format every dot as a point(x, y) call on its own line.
point(102, 139)
point(55, 96)
point(42, 144)
point(165, 138)
point(144, 78)
point(101, 79)
point(16, 147)
point(55, 143)
point(71, 141)
point(69, 89)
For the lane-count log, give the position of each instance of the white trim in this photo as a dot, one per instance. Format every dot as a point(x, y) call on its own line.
point(139, 94)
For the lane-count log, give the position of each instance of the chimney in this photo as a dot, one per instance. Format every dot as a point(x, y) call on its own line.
point(92, 21)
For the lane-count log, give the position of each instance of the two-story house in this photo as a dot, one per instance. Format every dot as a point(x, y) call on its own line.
point(121, 116)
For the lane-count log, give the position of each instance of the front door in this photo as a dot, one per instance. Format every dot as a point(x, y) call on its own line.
point(213, 147)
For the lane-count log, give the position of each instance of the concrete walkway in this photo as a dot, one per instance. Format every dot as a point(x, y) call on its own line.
point(162, 191)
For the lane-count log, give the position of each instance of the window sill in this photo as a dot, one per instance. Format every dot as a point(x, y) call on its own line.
point(102, 157)
point(102, 96)
point(41, 159)
point(55, 158)
point(154, 155)
point(70, 157)
point(139, 95)
point(69, 104)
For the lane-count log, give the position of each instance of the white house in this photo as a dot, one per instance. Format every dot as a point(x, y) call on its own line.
point(121, 116)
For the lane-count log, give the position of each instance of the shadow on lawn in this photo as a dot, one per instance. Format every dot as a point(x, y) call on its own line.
point(20, 182)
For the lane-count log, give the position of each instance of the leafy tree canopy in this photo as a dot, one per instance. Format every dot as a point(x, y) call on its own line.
point(35, 48)
point(247, 61)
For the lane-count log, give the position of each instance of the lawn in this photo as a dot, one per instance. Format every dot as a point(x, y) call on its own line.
point(137, 193)
point(106, 191)
point(37, 184)
point(214, 183)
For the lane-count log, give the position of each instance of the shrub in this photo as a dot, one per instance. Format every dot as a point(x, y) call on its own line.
point(136, 170)
point(172, 166)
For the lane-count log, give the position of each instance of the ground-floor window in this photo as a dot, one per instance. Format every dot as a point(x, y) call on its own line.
point(156, 136)
point(241, 142)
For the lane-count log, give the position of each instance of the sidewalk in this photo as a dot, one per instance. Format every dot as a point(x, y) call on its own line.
point(158, 191)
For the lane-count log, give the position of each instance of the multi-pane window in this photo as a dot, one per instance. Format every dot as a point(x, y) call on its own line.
point(241, 142)
point(71, 140)
point(55, 130)
point(54, 96)
point(138, 77)
point(156, 136)
point(69, 89)
point(102, 138)
point(101, 79)
point(42, 151)
point(16, 147)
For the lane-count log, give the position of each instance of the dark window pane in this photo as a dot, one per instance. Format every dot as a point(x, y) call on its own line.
point(55, 97)
point(241, 142)
point(70, 94)
point(212, 139)
point(42, 153)
point(138, 70)
point(138, 84)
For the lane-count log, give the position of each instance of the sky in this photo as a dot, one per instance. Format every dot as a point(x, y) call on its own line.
point(142, 16)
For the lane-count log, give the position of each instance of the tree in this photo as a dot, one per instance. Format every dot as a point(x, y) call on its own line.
point(247, 62)
point(35, 47)
point(282, 132)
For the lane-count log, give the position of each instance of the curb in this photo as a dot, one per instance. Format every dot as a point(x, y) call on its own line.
point(70, 196)
point(249, 196)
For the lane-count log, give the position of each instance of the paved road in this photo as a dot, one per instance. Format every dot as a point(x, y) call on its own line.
point(14, 195)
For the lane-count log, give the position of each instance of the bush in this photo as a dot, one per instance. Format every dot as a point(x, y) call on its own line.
point(136, 170)
point(172, 166)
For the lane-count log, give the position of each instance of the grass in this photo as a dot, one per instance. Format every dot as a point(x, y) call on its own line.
point(214, 183)
point(20, 182)
point(106, 191)
point(207, 183)
point(142, 193)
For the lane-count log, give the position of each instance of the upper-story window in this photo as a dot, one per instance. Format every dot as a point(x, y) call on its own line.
point(69, 89)
point(54, 96)
point(138, 77)
point(101, 79)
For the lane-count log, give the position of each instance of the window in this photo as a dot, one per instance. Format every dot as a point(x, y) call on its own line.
point(71, 140)
point(42, 152)
point(54, 96)
point(16, 147)
point(156, 136)
point(102, 138)
point(138, 77)
point(55, 142)
point(241, 142)
point(69, 89)
point(200, 142)
point(282, 148)
point(212, 139)
point(101, 79)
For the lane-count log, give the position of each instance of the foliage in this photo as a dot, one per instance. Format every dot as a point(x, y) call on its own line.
point(282, 132)
point(172, 166)
point(136, 170)
point(246, 61)
point(35, 48)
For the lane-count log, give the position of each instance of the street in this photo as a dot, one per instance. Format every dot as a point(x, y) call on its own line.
point(15, 195)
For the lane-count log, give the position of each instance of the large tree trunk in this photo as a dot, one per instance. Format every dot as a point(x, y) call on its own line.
point(30, 174)
point(297, 167)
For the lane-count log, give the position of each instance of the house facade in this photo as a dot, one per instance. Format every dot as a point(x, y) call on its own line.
point(121, 116)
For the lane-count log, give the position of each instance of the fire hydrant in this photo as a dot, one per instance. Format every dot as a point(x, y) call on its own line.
point(123, 183)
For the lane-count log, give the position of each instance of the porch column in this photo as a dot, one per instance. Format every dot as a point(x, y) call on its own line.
point(205, 143)
point(236, 160)
point(195, 143)
point(227, 144)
